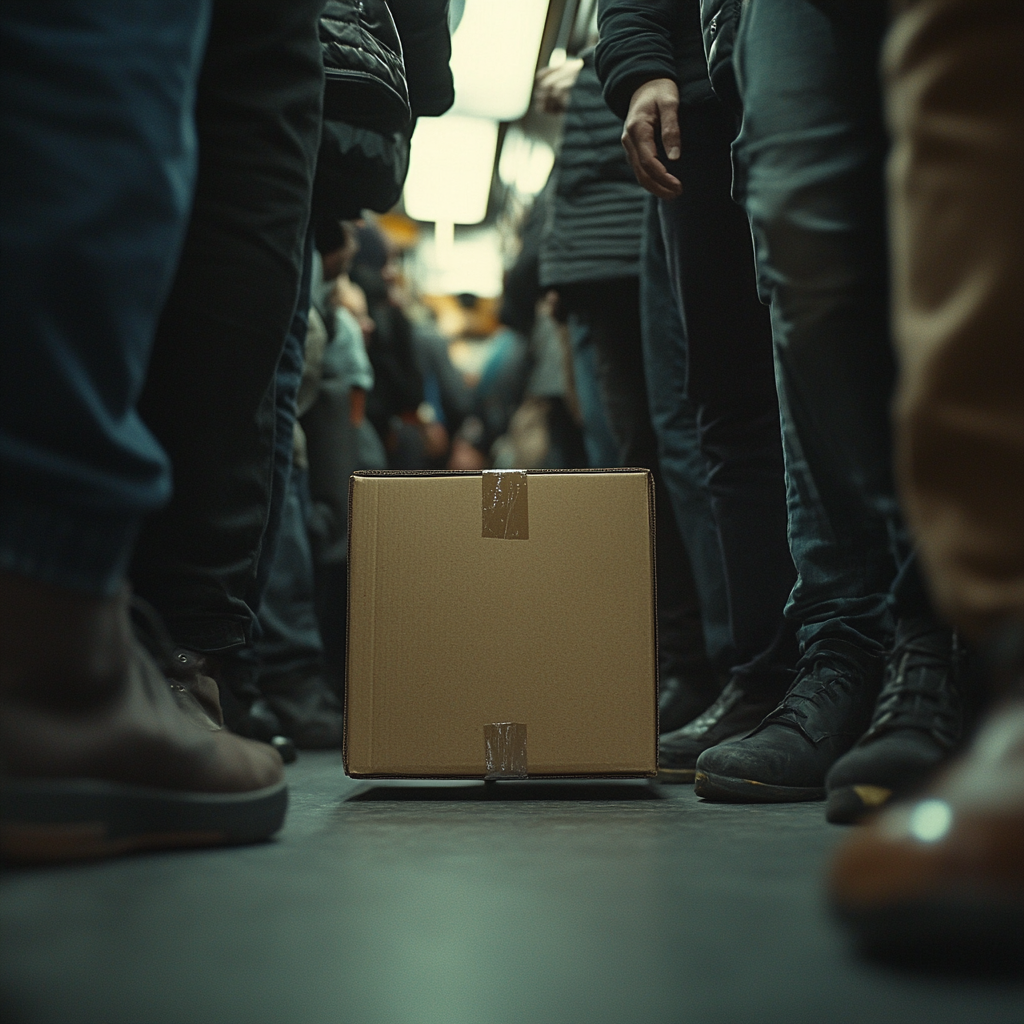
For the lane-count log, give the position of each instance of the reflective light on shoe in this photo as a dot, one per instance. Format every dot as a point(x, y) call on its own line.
point(930, 820)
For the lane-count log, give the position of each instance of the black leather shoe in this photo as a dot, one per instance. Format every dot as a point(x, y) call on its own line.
point(683, 694)
point(734, 714)
point(789, 754)
point(918, 723)
point(309, 711)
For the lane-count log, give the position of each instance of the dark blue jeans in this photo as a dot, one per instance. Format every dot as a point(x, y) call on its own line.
point(809, 166)
point(601, 447)
point(286, 390)
point(97, 168)
point(290, 648)
point(730, 382)
point(683, 466)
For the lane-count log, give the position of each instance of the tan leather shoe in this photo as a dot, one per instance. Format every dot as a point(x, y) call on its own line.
point(940, 879)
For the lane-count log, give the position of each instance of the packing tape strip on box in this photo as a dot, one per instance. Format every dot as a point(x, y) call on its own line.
point(505, 750)
point(505, 506)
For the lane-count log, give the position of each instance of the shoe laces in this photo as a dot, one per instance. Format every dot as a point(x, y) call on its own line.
point(813, 688)
point(921, 691)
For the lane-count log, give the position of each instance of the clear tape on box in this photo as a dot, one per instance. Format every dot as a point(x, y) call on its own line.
point(505, 750)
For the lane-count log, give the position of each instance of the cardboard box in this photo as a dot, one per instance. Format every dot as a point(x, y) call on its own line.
point(501, 625)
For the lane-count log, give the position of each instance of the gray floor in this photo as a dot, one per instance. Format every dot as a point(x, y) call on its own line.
point(541, 903)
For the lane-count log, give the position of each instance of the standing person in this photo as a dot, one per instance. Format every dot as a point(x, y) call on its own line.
point(942, 878)
point(650, 59)
point(99, 163)
point(879, 699)
point(590, 254)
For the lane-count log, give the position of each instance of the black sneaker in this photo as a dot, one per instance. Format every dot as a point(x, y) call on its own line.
point(789, 754)
point(734, 714)
point(918, 723)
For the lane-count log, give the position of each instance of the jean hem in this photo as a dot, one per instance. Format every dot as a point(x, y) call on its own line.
point(78, 549)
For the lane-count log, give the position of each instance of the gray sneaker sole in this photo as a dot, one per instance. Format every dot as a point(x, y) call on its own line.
point(55, 820)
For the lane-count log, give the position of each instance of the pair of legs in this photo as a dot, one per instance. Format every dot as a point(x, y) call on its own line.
point(809, 167)
point(100, 169)
point(940, 880)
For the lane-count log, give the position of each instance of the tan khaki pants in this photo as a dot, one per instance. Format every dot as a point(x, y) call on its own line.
point(954, 73)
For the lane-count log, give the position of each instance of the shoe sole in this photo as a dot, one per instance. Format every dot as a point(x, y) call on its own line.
point(849, 805)
point(676, 776)
point(50, 821)
point(722, 789)
point(962, 934)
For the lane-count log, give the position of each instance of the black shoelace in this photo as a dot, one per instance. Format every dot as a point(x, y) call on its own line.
point(921, 692)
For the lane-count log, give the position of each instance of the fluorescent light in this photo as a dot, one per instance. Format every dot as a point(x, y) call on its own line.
point(450, 167)
point(494, 57)
point(525, 162)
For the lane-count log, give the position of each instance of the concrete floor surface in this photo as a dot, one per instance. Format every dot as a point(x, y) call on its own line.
point(460, 903)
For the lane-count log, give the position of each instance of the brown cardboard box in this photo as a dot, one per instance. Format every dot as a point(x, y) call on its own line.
point(482, 599)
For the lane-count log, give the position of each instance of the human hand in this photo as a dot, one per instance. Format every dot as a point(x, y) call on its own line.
point(553, 85)
point(654, 110)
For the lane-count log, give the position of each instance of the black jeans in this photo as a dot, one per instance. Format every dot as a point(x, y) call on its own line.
point(610, 311)
point(209, 397)
point(731, 384)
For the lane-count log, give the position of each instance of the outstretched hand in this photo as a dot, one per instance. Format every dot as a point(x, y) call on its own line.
point(654, 112)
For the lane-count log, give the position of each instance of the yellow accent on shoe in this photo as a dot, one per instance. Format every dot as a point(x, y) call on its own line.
point(873, 796)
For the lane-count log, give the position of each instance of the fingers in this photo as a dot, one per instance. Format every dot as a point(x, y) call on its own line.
point(639, 142)
point(668, 114)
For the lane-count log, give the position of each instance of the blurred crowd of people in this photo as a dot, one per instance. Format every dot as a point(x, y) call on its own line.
point(781, 280)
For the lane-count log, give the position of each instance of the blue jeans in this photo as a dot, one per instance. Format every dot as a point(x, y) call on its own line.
point(809, 166)
point(97, 166)
point(290, 648)
point(601, 447)
point(286, 390)
point(683, 466)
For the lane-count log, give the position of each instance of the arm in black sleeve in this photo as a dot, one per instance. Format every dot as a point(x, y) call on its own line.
point(427, 48)
point(646, 39)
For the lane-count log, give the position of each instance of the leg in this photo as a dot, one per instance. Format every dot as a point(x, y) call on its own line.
point(731, 383)
point(682, 463)
point(99, 160)
point(292, 667)
point(956, 103)
point(210, 399)
point(602, 449)
point(613, 318)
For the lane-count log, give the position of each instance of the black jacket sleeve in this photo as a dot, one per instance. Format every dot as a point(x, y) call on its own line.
point(646, 39)
point(427, 48)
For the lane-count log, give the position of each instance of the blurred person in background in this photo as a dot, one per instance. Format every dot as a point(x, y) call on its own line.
point(291, 667)
point(590, 254)
point(393, 405)
point(724, 351)
point(939, 880)
point(339, 438)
